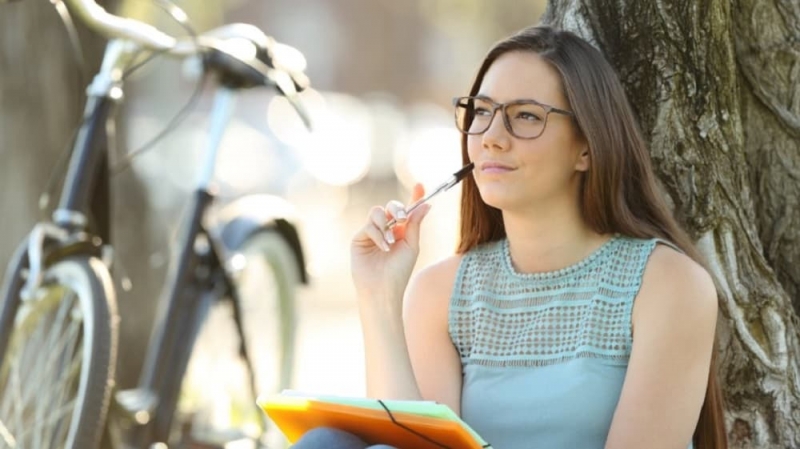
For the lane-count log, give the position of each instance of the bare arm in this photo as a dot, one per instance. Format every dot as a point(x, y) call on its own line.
point(435, 360)
point(404, 322)
point(388, 365)
point(415, 359)
point(674, 319)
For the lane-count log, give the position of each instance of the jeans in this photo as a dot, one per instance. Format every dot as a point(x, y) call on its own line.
point(328, 438)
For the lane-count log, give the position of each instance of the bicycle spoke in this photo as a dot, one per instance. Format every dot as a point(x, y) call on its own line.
point(63, 428)
point(69, 383)
point(40, 401)
point(18, 404)
point(44, 360)
point(55, 337)
point(52, 381)
point(64, 409)
point(44, 366)
point(65, 386)
point(68, 366)
point(6, 436)
point(33, 428)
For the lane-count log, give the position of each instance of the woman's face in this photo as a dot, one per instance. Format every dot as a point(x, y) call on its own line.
point(518, 174)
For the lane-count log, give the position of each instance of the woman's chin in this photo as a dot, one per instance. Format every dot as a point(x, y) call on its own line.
point(498, 201)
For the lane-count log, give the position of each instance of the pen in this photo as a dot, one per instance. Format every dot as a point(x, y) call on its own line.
point(453, 180)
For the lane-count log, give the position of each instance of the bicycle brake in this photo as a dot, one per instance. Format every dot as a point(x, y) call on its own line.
point(40, 235)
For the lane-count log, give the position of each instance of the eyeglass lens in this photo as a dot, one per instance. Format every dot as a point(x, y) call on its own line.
point(526, 120)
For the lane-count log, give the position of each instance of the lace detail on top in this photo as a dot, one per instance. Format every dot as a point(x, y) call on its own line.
point(499, 317)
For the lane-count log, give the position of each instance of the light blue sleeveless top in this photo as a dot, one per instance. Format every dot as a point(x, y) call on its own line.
point(544, 355)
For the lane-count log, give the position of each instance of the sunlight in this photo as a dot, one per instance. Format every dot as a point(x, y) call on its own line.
point(428, 156)
point(338, 150)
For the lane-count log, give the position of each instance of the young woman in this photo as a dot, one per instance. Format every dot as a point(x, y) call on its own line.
point(575, 312)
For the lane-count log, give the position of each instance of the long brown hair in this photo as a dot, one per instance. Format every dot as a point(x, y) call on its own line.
point(619, 191)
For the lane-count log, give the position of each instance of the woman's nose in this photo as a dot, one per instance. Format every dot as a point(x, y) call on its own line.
point(496, 137)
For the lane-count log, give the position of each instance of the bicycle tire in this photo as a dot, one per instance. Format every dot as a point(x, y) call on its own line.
point(13, 281)
point(280, 260)
point(87, 311)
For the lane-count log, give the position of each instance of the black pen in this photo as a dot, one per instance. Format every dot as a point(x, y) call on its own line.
point(453, 180)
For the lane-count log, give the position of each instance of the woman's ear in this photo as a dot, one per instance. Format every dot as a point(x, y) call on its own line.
point(583, 162)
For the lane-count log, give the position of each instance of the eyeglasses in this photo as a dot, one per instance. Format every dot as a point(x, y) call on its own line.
point(524, 119)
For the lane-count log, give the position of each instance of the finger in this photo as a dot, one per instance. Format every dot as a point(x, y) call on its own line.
point(411, 230)
point(380, 218)
point(370, 236)
point(397, 210)
point(378, 237)
point(417, 192)
point(377, 216)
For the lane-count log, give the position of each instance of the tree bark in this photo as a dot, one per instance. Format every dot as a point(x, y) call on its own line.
point(40, 104)
point(715, 86)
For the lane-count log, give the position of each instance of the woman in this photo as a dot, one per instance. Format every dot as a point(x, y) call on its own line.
point(576, 313)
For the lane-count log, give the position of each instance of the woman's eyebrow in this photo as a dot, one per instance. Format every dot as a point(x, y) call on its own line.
point(521, 100)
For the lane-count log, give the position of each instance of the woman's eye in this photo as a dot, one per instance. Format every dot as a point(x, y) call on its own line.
point(482, 111)
point(527, 116)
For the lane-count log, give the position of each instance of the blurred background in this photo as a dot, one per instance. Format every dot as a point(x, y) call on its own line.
point(383, 74)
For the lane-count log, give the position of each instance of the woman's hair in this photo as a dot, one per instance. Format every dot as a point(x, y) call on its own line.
point(618, 194)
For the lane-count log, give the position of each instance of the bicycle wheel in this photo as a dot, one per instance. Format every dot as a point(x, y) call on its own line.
point(220, 387)
point(57, 370)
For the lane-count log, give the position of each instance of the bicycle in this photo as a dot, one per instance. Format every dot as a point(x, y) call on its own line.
point(58, 317)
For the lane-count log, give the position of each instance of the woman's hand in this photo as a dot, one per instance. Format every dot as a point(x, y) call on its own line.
point(382, 261)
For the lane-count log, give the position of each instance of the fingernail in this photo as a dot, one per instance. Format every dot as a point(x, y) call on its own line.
point(389, 236)
point(401, 215)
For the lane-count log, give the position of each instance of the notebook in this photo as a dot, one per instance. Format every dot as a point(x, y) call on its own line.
point(403, 424)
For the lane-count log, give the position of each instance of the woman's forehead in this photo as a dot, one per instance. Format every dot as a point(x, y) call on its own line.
point(523, 75)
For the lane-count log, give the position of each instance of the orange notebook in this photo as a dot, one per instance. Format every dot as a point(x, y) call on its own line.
point(406, 424)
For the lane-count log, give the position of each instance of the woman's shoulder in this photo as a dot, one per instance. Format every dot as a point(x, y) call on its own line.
point(429, 289)
point(675, 285)
point(440, 275)
point(667, 262)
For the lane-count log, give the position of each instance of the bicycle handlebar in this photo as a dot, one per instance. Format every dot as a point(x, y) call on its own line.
point(98, 19)
point(282, 56)
point(282, 66)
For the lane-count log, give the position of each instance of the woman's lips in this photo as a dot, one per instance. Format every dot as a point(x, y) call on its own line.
point(495, 167)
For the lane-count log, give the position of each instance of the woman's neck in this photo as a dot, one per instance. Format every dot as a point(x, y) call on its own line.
point(550, 238)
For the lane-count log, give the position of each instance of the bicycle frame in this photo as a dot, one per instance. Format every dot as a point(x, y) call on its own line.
point(198, 280)
point(199, 277)
point(81, 222)
point(86, 191)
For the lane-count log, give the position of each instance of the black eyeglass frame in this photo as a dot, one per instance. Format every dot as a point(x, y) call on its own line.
point(495, 106)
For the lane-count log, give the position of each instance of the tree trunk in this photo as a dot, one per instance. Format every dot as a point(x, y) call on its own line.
point(40, 104)
point(715, 86)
